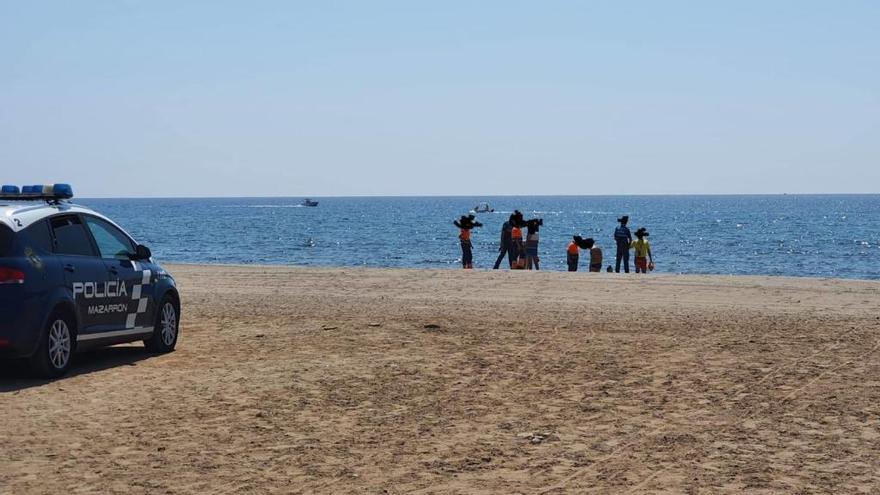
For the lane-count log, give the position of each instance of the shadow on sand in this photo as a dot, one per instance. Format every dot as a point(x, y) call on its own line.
point(15, 375)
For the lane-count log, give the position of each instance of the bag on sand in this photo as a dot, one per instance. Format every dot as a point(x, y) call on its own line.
point(520, 263)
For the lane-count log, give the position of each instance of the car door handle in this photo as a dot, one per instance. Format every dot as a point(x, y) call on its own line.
point(70, 267)
point(114, 270)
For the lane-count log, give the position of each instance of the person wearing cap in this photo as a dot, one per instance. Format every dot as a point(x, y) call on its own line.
point(642, 250)
point(623, 238)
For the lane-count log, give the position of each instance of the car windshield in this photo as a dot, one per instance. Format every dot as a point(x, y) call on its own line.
point(5, 240)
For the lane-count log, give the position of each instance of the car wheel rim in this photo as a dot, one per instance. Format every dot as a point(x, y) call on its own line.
point(169, 324)
point(59, 344)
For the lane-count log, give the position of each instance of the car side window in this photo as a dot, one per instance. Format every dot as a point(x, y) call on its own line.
point(112, 242)
point(70, 236)
point(39, 237)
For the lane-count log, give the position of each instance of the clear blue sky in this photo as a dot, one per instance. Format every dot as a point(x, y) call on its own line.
point(263, 98)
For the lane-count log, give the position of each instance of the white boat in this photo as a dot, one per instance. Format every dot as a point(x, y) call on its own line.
point(483, 208)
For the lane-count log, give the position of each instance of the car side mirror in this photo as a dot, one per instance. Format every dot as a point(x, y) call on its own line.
point(142, 252)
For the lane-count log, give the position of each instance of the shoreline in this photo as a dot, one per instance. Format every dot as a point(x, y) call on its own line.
point(455, 267)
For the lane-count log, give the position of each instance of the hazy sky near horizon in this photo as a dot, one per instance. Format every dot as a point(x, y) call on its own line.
point(278, 98)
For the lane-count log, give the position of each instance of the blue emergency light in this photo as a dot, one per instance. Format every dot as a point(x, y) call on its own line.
point(48, 192)
point(62, 191)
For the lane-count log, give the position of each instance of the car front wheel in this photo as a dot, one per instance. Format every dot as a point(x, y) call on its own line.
point(166, 328)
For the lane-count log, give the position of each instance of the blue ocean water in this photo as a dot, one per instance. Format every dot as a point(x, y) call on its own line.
point(797, 235)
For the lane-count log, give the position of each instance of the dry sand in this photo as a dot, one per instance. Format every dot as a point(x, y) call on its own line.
point(327, 381)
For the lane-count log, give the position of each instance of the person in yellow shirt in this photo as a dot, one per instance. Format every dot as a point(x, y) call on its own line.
point(642, 250)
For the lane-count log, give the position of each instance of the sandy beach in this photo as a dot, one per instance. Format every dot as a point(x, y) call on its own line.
point(292, 380)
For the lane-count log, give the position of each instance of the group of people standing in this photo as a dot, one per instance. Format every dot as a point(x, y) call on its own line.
point(522, 251)
point(573, 253)
point(520, 254)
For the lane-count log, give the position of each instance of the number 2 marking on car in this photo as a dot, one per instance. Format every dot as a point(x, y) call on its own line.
point(17, 222)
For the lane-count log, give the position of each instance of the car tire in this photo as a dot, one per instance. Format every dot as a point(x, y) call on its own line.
point(55, 352)
point(166, 328)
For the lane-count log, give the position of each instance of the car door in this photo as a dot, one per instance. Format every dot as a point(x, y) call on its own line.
point(129, 279)
point(85, 275)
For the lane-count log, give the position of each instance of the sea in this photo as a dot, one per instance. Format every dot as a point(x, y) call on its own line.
point(791, 235)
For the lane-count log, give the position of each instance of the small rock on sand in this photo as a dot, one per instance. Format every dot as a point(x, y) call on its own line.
point(536, 437)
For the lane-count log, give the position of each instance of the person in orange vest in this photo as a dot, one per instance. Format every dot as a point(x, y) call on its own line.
point(466, 224)
point(573, 253)
point(516, 240)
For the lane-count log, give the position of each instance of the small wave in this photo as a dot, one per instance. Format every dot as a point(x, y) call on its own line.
point(274, 206)
point(439, 261)
point(262, 206)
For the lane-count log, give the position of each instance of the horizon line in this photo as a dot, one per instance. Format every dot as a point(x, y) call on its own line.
point(381, 196)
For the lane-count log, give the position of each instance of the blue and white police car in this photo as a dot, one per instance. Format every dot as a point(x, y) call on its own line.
point(71, 279)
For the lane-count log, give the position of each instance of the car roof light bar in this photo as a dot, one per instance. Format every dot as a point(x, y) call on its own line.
point(48, 192)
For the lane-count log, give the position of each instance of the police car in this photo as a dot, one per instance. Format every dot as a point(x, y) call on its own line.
point(71, 279)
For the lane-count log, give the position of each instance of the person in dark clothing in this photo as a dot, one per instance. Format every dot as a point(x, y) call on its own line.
point(623, 238)
point(506, 248)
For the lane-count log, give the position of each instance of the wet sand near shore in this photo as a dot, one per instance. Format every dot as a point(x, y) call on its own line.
point(295, 380)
